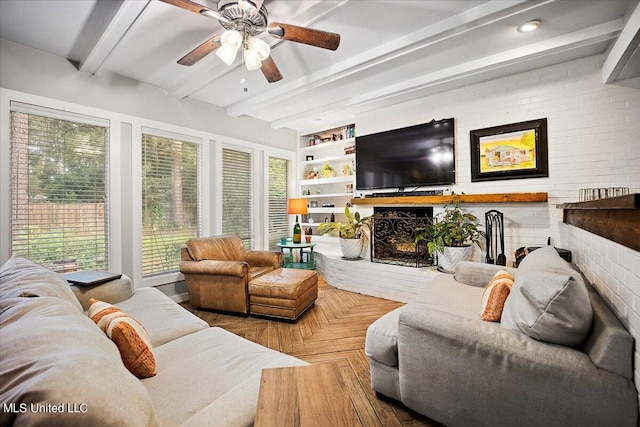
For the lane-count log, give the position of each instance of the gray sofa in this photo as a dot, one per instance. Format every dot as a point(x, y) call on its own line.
point(439, 358)
point(58, 368)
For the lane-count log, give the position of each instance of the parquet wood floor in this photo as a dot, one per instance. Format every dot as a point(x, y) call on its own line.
point(332, 331)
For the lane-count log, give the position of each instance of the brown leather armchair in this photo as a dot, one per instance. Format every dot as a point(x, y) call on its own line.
point(218, 270)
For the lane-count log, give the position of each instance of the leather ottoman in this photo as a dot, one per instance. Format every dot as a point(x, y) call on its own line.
point(283, 294)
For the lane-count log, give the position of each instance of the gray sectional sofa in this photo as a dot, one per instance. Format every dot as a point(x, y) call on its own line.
point(559, 356)
point(58, 368)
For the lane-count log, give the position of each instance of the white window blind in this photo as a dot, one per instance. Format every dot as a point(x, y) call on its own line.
point(170, 201)
point(278, 195)
point(59, 188)
point(237, 195)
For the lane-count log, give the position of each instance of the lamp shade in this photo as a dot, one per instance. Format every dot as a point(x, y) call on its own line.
point(297, 207)
point(259, 47)
point(227, 54)
point(251, 60)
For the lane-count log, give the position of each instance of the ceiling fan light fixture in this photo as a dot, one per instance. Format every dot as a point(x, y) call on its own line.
point(231, 38)
point(259, 47)
point(227, 53)
point(251, 60)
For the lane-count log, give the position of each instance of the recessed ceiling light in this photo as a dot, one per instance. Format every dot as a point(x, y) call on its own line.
point(527, 27)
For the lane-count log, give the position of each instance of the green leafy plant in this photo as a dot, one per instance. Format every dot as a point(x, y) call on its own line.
point(327, 170)
point(452, 227)
point(352, 229)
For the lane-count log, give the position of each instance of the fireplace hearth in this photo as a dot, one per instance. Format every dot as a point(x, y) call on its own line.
point(393, 234)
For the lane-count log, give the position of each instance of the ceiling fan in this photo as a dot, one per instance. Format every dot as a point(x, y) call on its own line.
point(243, 21)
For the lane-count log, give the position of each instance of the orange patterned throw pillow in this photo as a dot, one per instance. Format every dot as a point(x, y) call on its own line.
point(495, 295)
point(128, 334)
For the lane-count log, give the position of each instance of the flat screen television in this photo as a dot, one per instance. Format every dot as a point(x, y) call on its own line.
point(414, 156)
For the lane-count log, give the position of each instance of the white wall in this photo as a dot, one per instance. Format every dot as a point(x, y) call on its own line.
point(594, 141)
point(39, 73)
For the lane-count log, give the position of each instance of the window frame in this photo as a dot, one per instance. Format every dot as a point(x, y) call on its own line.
point(183, 138)
point(125, 219)
point(72, 117)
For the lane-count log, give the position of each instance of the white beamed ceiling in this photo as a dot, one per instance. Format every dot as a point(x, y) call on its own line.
point(391, 50)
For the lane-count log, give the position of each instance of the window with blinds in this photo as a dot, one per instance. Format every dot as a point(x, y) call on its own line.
point(237, 195)
point(278, 195)
point(170, 201)
point(59, 188)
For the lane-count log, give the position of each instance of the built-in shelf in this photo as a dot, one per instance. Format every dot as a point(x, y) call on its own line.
point(326, 195)
point(332, 180)
point(462, 198)
point(332, 145)
point(615, 218)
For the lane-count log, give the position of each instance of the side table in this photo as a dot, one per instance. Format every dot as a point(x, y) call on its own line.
point(305, 259)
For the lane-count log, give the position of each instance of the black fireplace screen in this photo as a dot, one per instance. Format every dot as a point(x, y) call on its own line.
point(393, 233)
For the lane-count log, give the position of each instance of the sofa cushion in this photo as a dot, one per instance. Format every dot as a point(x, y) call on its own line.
point(211, 378)
point(20, 277)
point(53, 354)
point(549, 300)
point(495, 295)
point(163, 319)
point(128, 335)
point(381, 343)
point(444, 293)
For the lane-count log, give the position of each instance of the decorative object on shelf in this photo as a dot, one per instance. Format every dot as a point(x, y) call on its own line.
point(346, 170)
point(351, 233)
point(310, 174)
point(297, 207)
point(451, 236)
point(309, 158)
point(328, 171)
point(513, 151)
point(587, 194)
point(350, 149)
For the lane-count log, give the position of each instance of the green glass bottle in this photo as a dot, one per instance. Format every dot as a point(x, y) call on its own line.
point(297, 232)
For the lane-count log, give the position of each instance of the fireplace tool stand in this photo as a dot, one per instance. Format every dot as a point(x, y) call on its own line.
point(494, 226)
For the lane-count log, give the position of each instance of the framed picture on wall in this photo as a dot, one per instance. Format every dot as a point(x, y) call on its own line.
point(513, 151)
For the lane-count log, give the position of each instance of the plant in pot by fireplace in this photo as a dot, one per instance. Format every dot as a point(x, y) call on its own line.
point(351, 233)
point(451, 236)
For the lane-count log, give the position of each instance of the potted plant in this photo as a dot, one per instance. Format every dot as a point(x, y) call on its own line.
point(351, 232)
point(451, 236)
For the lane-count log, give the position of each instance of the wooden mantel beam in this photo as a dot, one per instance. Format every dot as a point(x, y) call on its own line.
point(616, 218)
point(444, 200)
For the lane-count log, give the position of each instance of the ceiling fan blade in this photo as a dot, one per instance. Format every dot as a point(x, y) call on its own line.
point(270, 70)
point(323, 39)
point(197, 8)
point(200, 52)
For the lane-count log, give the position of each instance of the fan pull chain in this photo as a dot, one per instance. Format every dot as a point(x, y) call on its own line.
point(243, 80)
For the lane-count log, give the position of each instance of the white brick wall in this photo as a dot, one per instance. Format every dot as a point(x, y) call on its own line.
point(594, 141)
point(593, 138)
point(615, 271)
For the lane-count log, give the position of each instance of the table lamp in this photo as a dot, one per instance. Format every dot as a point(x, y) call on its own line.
point(297, 207)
